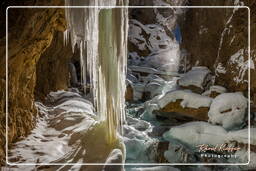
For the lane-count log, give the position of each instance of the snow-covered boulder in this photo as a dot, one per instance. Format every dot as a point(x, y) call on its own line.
point(183, 102)
point(214, 91)
point(189, 99)
point(228, 110)
point(196, 133)
point(197, 79)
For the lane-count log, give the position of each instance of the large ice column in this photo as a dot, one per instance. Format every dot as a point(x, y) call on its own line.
point(101, 35)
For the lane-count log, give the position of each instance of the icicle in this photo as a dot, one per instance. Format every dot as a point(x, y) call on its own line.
point(101, 35)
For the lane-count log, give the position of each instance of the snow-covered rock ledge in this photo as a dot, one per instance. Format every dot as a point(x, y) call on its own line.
point(197, 79)
point(183, 102)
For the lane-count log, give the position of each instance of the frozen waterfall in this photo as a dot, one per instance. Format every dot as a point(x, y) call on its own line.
point(100, 33)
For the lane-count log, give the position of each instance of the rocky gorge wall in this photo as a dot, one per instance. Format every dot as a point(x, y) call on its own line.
point(218, 38)
point(33, 63)
point(52, 69)
point(38, 59)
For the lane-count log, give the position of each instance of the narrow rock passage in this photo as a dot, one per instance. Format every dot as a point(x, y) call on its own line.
point(70, 131)
point(145, 94)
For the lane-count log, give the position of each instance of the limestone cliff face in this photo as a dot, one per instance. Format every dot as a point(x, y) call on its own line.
point(218, 39)
point(31, 32)
point(52, 69)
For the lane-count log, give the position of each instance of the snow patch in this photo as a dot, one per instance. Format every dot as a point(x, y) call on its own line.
point(220, 69)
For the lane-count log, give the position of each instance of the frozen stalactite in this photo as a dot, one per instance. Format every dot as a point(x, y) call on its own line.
point(101, 35)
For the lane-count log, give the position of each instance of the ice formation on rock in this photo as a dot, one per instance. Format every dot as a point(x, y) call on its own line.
point(228, 109)
point(100, 33)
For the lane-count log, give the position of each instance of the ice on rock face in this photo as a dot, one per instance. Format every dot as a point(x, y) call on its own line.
point(228, 109)
point(198, 76)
